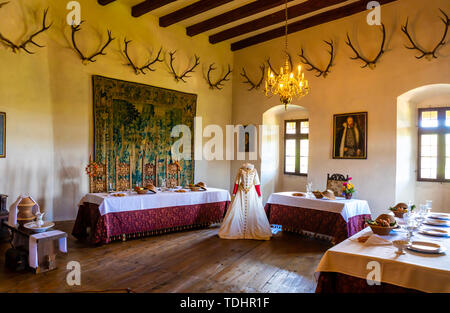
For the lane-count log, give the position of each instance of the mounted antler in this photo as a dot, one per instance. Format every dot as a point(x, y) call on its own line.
point(429, 55)
point(147, 66)
point(219, 84)
point(184, 74)
point(88, 59)
point(23, 46)
point(249, 81)
point(320, 72)
point(370, 63)
point(271, 67)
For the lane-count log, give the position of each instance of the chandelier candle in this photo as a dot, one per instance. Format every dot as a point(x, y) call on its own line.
point(285, 85)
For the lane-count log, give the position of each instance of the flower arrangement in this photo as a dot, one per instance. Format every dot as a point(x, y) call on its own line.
point(348, 189)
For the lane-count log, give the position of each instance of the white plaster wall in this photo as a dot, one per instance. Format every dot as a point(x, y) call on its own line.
point(48, 96)
point(348, 88)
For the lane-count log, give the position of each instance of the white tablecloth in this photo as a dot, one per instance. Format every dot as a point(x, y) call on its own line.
point(347, 208)
point(132, 201)
point(424, 272)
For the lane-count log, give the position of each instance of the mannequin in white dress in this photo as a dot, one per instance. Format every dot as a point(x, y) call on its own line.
point(246, 219)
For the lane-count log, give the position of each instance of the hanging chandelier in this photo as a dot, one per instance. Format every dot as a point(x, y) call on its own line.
point(286, 84)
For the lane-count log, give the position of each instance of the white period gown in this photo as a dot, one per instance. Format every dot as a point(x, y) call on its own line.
point(246, 219)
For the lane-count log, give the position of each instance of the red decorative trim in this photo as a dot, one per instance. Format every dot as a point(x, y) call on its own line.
point(235, 189)
point(139, 223)
point(258, 190)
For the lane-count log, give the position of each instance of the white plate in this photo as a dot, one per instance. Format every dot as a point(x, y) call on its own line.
point(34, 227)
point(440, 216)
point(434, 232)
point(426, 247)
point(436, 222)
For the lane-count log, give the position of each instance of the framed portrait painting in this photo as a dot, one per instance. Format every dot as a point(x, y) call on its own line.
point(2, 135)
point(350, 136)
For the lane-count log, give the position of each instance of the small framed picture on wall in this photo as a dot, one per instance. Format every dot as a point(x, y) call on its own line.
point(2, 135)
point(350, 136)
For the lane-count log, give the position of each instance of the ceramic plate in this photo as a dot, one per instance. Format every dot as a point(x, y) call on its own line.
point(436, 222)
point(34, 227)
point(426, 247)
point(440, 216)
point(434, 232)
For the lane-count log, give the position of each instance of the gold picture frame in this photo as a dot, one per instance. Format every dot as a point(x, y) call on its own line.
point(2, 135)
point(350, 135)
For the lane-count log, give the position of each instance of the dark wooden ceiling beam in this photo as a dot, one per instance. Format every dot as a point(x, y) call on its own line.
point(271, 19)
point(233, 15)
point(105, 2)
point(147, 6)
point(315, 20)
point(190, 11)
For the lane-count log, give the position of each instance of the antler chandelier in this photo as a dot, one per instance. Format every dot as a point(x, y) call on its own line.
point(285, 84)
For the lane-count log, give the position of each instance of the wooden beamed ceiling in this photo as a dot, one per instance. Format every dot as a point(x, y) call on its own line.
point(330, 10)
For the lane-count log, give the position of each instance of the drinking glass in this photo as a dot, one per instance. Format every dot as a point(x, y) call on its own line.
point(410, 224)
point(429, 204)
point(309, 189)
point(420, 215)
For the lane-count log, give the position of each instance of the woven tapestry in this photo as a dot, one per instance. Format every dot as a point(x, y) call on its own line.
point(132, 121)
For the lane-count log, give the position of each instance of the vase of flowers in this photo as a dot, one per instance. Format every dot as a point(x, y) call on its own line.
point(348, 189)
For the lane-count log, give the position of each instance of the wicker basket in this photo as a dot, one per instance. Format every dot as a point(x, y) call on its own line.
point(380, 230)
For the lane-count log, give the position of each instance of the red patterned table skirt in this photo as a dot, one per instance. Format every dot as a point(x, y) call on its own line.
point(320, 222)
point(139, 223)
point(330, 282)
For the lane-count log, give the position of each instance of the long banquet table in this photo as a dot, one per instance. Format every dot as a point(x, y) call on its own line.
point(338, 218)
point(344, 267)
point(118, 218)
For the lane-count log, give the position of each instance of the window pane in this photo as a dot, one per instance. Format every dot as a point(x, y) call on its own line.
point(429, 119)
point(304, 150)
point(290, 164)
point(291, 127)
point(304, 128)
point(447, 155)
point(428, 159)
point(304, 147)
point(304, 165)
point(290, 156)
point(447, 118)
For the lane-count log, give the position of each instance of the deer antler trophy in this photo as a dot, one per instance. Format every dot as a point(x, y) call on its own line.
point(89, 59)
point(323, 73)
point(429, 55)
point(183, 75)
point(250, 82)
point(147, 66)
point(218, 84)
point(23, 46)
point(370, 63)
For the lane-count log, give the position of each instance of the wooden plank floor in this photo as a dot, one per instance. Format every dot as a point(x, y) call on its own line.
point(190, 261)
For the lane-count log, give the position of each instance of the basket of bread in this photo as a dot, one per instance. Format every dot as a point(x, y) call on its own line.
point(197, 187)
point(401, 208)
point(383, 224)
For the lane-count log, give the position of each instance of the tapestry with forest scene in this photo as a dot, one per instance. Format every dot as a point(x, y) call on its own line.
point(132, 118)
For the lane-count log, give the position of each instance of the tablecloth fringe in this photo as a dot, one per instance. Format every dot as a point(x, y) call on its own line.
point(308, 234)
point(125, 237)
